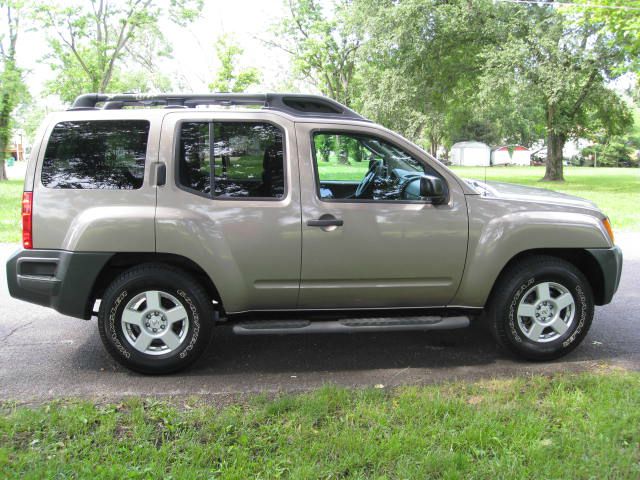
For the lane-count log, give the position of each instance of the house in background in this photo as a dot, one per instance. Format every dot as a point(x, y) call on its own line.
point(471, 154)
point(515, 155)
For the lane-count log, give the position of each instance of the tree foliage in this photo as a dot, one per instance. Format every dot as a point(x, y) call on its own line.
point(91, 41)
point(323, 44)
point(422, 68)
point(565, 63)
point(230, 78)
point(622, 20)
point(12, 87)
point(510, 73)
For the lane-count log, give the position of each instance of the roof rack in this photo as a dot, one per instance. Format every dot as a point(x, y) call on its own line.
point(294, 104)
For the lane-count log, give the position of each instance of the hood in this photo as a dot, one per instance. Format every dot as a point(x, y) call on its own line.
point(509, 191)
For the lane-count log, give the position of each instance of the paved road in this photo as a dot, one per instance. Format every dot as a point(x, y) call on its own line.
point(46, 355)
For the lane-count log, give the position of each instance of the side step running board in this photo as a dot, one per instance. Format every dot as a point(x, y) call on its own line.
point(349, 325)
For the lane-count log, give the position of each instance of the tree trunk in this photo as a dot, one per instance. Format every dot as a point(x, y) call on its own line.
point(555, 146)
point(434, 144)
point(342, 149)
point(5, 114)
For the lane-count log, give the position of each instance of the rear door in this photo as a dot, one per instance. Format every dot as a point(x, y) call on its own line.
point(389, 248)
point(231, 204)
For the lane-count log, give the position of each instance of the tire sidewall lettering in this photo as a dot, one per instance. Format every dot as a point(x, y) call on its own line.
point(512, 317)
point(113, 315)
point(582, 301)
point(195, 322)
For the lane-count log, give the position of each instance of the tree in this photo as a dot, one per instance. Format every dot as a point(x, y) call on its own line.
point(230, 78)
point(12, 87)
point(566, 63)
point(421, 64)
point(323, 45)
point(91, 41)
point(422, 68)
point(622, 19)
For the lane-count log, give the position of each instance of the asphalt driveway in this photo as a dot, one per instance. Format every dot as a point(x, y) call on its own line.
point(46, 355)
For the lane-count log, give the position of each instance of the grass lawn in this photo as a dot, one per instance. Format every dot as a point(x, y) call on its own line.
point(567, 426)
point(615, 190)
point(10, 199)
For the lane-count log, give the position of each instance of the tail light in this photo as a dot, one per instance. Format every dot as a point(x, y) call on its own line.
point(27, 223)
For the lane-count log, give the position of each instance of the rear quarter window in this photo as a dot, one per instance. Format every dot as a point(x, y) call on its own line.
point(96, 154)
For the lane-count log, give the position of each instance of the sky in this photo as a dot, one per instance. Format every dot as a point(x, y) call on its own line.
point(194, 58)
point(246, 21)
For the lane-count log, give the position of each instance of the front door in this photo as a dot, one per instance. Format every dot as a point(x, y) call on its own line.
point(368, 239)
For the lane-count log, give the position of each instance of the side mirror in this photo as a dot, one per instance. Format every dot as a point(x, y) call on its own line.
point(433, 189)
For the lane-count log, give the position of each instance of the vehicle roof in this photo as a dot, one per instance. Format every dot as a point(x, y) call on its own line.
point(226, 114)
point(297, 106)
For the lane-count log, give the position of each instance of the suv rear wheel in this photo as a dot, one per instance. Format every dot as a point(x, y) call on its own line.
point(541, 308)
point(155, 319)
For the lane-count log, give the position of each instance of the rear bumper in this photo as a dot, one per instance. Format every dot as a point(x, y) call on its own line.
point(55, 278)
point(610, 262)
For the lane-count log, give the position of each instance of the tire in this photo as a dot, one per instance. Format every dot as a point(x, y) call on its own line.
point(527, 321)
point(155, 319)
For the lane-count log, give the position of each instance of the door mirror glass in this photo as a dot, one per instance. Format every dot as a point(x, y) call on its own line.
point(432, 188)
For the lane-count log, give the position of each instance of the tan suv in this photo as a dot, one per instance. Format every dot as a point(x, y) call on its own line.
point(167, 215)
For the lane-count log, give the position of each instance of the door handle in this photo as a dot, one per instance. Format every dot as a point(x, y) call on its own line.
point(326, 221)
point(161, 173)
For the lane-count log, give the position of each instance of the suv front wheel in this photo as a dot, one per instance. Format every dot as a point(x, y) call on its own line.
point(541, 308)
point(155, 319)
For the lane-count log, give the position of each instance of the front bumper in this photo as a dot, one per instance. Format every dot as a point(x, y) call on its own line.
point(610, 262)
point(56, 278)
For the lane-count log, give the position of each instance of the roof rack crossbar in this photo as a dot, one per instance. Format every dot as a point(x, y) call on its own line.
point(295, 104)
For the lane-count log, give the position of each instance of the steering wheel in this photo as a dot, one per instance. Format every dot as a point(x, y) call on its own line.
point(368, 179)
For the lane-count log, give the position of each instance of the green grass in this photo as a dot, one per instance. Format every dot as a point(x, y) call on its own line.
point(10, 198)
point(567, 426)
point(615, 190)
point(332, 171)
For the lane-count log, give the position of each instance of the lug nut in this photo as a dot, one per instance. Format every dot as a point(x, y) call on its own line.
point(146, 324)
point(155, 330)
point(155, 314)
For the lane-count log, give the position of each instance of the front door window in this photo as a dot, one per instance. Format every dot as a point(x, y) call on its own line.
point(361, 167)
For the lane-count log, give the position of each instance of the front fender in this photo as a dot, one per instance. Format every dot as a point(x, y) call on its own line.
point(499, 230)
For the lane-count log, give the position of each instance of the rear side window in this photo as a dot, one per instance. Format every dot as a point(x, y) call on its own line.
point(232, 159)
point(96, 154)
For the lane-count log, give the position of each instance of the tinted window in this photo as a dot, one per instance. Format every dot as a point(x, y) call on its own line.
point(195, 166)
point(100, 154)
point(360, 167)
point(248, 159)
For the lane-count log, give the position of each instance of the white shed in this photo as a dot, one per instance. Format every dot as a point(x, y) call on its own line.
point(471, 154)
point(517, 155)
